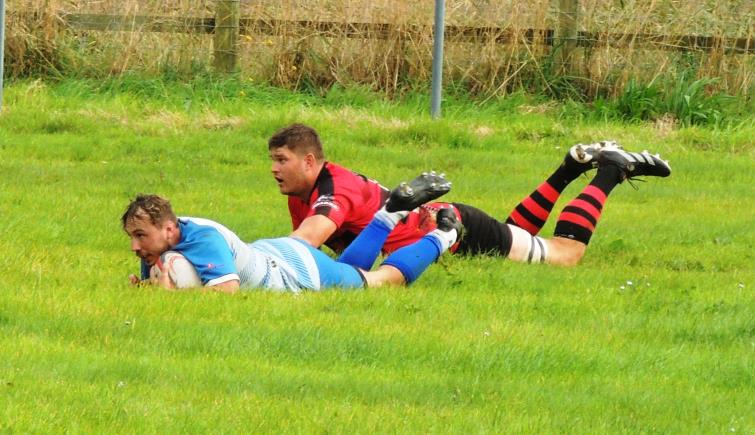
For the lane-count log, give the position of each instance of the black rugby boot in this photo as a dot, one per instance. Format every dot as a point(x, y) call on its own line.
point(424, 188)
point(581, 158)
point(446, 220)
point(632, 164)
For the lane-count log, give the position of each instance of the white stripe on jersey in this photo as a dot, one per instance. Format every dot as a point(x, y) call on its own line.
point(279, 264)
point(289, 264)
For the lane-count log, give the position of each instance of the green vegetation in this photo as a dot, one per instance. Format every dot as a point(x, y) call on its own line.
point(491, 48)
point(653, 333)
point(685, 101)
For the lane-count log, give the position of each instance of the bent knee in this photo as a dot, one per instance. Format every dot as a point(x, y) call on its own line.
point(565, 252)
point(527, 248)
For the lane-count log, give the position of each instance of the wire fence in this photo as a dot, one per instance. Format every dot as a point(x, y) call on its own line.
point(492, 47)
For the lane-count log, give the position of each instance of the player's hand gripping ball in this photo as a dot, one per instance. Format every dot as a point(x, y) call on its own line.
point(180, 272)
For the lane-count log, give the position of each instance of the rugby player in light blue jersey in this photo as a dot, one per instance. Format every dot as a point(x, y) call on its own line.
point(224, 262)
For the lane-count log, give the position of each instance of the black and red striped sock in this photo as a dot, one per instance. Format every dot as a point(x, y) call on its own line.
point(532, 213)
point(578, 219)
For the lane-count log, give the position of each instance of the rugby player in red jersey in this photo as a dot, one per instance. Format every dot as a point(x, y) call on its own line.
point(330, 204)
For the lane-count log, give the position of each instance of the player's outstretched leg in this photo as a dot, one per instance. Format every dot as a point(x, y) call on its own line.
point(578, 219)
point(363, 251)
point(532, 213)
point(414, 259)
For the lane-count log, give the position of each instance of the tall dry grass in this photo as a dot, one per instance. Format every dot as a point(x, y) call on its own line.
point(40, 42)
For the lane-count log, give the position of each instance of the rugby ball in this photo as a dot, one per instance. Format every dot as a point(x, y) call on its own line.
point(180, 271)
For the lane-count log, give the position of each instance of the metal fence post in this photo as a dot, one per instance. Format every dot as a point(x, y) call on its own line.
point(226, 40)
point(566, 38)
point(2, 49)
point(437, 83)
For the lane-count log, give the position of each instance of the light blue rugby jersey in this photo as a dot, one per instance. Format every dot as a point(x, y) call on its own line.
point(219, 255)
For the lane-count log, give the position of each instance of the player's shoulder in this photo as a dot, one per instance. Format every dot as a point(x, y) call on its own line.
point(341, 172)
point(341, 177)
point(205, 234)
point(334, 179)
point(194, 228)
point(193, 224)
point(335, 167)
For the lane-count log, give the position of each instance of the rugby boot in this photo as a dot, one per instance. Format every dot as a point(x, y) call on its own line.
point(583, 157)
point(446, 220)
point(632, 164)
point(424, 188)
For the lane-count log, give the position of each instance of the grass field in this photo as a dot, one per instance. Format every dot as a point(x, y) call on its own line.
point(653, 333)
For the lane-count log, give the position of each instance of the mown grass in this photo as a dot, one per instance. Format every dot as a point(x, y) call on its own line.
point(652, 333)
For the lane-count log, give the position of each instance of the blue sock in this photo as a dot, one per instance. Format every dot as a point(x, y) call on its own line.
point(363, 251)
point(412, 260)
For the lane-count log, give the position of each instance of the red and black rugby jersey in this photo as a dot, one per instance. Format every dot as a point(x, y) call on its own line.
point(350, 200)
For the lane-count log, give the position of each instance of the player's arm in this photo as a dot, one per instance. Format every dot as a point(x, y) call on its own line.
point(315, 230)
point(231, 286)
point(136, 281)
point(226, 287)
point(143, 278)
point(212, 258)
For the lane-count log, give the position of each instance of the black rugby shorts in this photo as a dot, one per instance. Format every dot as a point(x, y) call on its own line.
point(482, 233)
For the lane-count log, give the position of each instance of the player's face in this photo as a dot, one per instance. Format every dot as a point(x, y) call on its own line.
point(290, 171)
point(148, 241)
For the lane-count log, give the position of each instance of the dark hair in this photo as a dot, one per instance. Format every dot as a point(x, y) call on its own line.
point(299, 138)
point(155, 208)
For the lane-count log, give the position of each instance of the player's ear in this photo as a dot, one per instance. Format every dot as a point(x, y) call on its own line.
point(170, 228)
point(310, 160)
